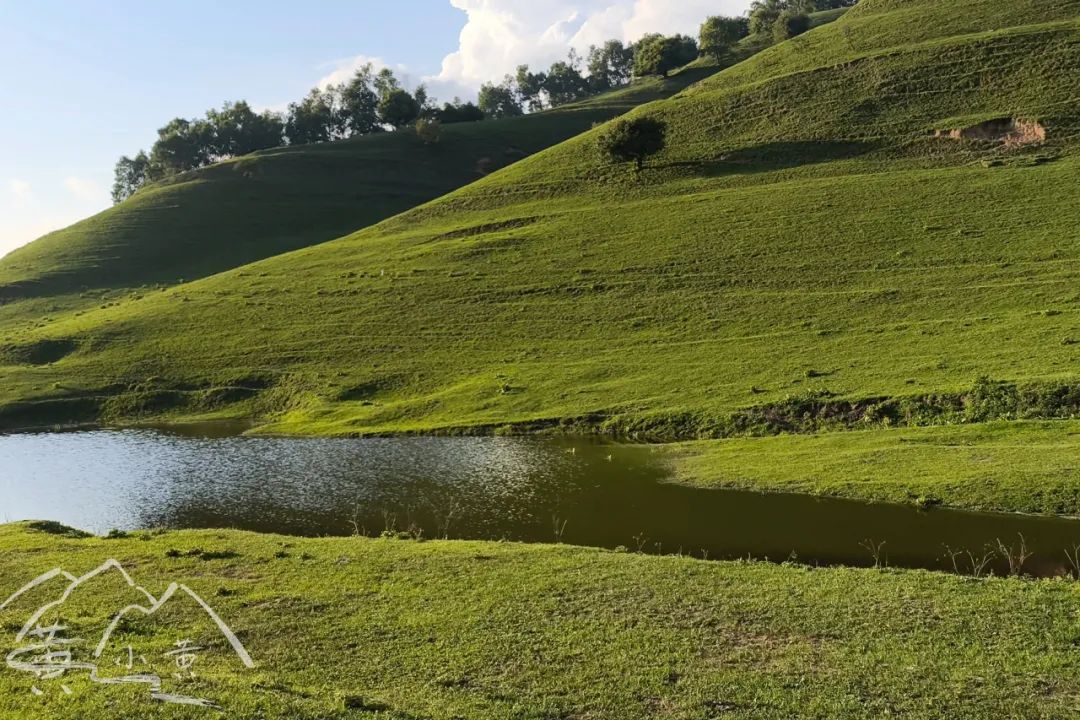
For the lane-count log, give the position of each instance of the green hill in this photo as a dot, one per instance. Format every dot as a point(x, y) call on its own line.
point(261, 205)
point(806, 253)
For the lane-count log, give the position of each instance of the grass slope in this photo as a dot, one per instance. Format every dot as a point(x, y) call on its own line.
point(401, 630)
point(1004, 466)
point(803, 233)
point(261, 205)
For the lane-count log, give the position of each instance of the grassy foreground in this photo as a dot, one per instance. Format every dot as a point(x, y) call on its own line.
point(1003, 466)
point(358, 628)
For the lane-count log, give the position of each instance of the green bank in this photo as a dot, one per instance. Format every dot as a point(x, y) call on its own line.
point(360, 628)
point(1019, 466)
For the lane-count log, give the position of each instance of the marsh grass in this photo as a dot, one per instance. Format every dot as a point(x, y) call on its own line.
point(877, 552)
point(1015, 555)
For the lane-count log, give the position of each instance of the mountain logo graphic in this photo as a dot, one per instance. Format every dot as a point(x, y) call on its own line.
point(48, 654)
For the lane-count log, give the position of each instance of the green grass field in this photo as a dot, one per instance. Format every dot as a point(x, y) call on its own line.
point(803, 237)
point(359, 628)
point(1004, 466)
point(808, 290)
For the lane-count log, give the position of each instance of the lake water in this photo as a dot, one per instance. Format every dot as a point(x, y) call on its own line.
point(577, 491)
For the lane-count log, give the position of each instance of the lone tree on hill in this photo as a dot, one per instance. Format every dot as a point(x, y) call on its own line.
point(634, 140)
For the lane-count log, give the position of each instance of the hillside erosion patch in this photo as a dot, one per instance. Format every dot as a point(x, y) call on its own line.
point(41, 352)
point(988, 400)
point(1012, 132)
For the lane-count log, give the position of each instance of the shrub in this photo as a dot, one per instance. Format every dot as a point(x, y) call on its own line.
point(52, 527)
point(790, 24)
point(429, 130)
point(634, 140)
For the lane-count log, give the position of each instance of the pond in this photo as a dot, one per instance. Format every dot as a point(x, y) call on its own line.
point(570, 490)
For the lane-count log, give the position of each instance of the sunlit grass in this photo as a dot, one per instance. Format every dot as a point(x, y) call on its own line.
point(448, 630)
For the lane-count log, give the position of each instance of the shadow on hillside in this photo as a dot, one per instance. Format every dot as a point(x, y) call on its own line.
point(770, 157)
point(16, 291)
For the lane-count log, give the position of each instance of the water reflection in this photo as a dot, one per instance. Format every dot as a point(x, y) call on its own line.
point(573, 490)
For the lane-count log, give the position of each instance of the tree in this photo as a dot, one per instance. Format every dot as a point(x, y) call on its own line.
point(610, 65)
point(426, 103)
point(239, 130)
point(531, 88)
point(459, 112)
point(398, 109)
point(360, 103)
point(183, 145)
point(130, 175)
point(790, 24)
point(659, 55)
point(765, 13)
point(315, 119)
point(633, 140)
point(385, 83)
point(429, 130)
point(499, 101)
point(719, 34)
point(564, 84)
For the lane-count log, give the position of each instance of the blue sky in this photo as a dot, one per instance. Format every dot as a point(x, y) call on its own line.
point(83, 82)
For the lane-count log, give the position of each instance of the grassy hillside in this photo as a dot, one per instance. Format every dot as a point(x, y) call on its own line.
point(358, 628)
point(805, 246)
point(261, 205)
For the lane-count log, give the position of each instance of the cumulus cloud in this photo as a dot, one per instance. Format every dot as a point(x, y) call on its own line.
point(502, 34)
point(83, 189)
point(499, 35)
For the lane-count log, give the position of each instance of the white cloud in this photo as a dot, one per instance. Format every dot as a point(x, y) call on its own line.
point(502, 34)
point(85, 190)
point(21, 190)
point(344, 69)
point(499, 35)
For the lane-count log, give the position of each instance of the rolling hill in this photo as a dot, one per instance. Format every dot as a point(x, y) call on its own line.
point(260, 205)
point(847, 229)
